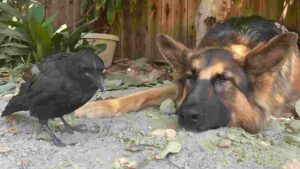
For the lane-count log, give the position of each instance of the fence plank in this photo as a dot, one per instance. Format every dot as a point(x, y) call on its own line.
point(127, 29)
point(174, 17)
point(181, 20)
point(192, 8)
point(168, 18)
point(291, 16)
point(298, 16)
point(154, 19)
point(140, 29)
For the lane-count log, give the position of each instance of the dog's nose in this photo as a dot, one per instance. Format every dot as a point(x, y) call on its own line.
point(192, 116)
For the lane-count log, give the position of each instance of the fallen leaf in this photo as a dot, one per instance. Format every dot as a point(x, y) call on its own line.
point(171, 147)
point(5, 150)
point(124, 163)
point(7, 87)
point(170, 134)
point(140, 147)
point(291, 164)
point(15, 119)
point(24, 163)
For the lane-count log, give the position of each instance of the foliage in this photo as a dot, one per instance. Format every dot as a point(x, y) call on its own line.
point(27, 36)
point(111, 8)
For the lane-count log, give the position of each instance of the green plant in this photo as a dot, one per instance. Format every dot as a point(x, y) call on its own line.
point(28, 33)
point(27, 36)
point(109, 10)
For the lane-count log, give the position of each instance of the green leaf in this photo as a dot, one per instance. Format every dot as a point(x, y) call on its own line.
point(75, 36)
point(83, 6)
point(118, 5)
point(38, 12)
point(39, 51)
point(11, 23)
point(49, 21)
point(2, 37)
point(17, 45)
point(41, 39)
point(4, 56)
point(99, 4)
point(14, 34)
point(100, 48)
point(15, 51)
point(111, 12)
point(9, 10)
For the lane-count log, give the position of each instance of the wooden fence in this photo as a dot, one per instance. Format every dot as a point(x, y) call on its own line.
point(140, 23)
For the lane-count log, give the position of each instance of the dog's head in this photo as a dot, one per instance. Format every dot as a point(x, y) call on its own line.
point(215, 83)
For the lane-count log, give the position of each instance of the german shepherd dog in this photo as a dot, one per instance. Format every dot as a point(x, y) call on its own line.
point(243, 70)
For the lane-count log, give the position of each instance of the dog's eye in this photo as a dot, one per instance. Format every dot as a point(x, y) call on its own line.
point(221, 82)
point(191, 75)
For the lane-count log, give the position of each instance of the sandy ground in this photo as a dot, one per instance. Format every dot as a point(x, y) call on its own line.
point(111, 140)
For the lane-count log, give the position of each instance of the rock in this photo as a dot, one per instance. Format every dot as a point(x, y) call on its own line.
point(294, 125)
point(231, 137)
point(222, 134)
point(167, 107)
point(273, 129)
point(224, 143)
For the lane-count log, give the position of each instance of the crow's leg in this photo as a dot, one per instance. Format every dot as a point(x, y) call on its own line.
point(56, 141)
point(70, 128)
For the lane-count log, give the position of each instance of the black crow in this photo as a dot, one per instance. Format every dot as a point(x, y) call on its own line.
point(61, 83)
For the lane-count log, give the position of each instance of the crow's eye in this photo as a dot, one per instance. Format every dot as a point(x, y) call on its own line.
point(85, 69)
point(220, 82)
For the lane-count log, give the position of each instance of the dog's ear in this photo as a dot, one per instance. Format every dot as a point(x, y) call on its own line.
point(173, 52)
point(269, 56)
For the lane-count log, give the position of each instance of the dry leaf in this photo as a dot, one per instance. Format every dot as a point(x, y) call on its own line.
point(5, 150)
point(124, 163)
point(172, 147)
point(291, 164)
point(170, 134)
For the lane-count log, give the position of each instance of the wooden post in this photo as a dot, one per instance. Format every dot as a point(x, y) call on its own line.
point(210, 8)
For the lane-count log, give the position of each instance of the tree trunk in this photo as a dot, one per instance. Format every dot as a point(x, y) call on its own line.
point(209, 12)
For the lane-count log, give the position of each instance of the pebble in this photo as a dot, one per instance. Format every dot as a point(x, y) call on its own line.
point(167, 107)
point(295, 125)
point(224, 143)
point(231, 137)
point(222, 134)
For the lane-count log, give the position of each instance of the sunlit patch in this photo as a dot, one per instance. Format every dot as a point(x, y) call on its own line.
point(241, 52)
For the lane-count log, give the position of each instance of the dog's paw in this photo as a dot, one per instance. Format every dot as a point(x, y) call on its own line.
point(98, 109)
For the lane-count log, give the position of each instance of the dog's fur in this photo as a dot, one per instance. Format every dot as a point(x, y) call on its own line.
point(243, 70)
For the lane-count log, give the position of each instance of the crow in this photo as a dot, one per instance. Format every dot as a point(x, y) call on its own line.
point(61, 83)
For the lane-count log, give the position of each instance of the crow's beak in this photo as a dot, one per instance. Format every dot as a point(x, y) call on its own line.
point(98, 80)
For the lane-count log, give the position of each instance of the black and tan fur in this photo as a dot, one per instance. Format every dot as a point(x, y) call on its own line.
point(243, 70)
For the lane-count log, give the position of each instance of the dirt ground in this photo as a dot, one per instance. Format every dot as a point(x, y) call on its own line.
point(126, 142)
